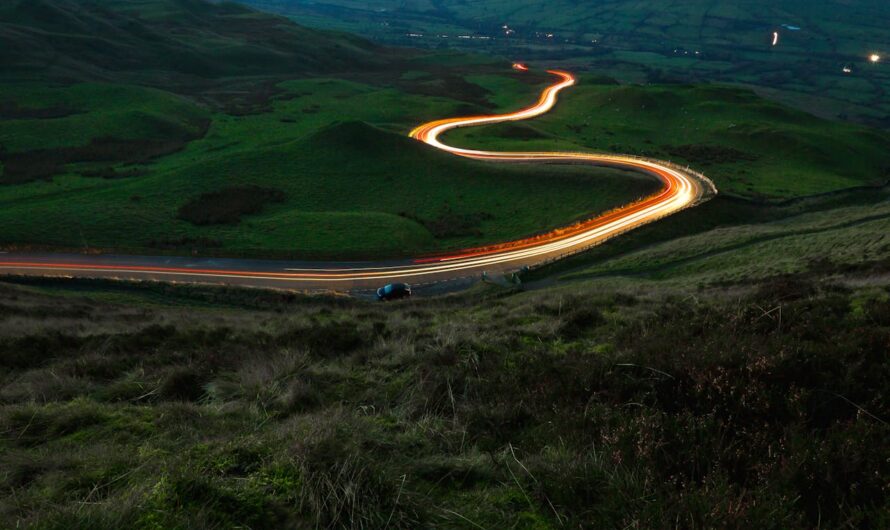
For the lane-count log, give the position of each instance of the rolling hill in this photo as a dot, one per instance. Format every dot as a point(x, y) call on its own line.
point(748, 145)
point(725, 367)
point(687, 41)
point(149, 41)
point(184, 126)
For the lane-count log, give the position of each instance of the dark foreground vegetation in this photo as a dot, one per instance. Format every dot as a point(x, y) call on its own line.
point(226, 206)
point(151, 406)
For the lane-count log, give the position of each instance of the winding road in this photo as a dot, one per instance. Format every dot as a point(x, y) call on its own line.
point(681, 188)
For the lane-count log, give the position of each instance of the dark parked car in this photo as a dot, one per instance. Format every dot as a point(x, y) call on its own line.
point(394, 291)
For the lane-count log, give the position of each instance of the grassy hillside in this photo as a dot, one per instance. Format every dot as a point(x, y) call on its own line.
point(760, 242)
point(351, 183)
point(48, 127)
point(256, 137)
point(590, 405)
point(689, 41)
point(188, 39)
point(334, 151)
point(749, 146)
point(725, 367)
point(266, 138)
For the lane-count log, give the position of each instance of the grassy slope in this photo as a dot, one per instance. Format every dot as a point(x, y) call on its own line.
point(155, 406)
point(344, 184)
point(843, 237)
point(354, 191)
point(162, 41)
point(702, 369)
point(729, 241)
point(96, 110)
point(781, 152)
point(341, 199)
point(640, 40)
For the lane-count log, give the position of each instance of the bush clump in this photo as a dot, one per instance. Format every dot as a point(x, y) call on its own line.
point(228, 205)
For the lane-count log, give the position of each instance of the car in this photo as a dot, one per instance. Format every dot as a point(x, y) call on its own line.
point(393, 291)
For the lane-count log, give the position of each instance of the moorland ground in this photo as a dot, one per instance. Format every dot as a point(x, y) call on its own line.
point(712, 388)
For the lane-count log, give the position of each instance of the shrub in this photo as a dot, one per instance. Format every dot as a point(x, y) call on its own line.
point(228, 205)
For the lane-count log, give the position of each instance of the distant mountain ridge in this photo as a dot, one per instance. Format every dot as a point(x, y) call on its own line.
point(87, 39)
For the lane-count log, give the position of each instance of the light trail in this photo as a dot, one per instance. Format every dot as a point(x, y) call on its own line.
point(775, 38)
point(681, 188)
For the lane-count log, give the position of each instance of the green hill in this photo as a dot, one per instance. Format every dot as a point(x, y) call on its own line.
point(151, 40)
point(748, 145)
point(295, 153)
point(183, 126)
point(687, 41)
point(350, 189)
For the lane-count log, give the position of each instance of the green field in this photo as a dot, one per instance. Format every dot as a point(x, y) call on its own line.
point(337, 151)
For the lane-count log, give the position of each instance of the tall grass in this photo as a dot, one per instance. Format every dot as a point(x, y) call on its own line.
point(577, 407)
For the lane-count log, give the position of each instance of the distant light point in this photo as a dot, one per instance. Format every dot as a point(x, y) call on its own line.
point(875, 58)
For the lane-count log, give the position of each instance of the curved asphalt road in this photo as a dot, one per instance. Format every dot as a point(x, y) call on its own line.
point(682, 188)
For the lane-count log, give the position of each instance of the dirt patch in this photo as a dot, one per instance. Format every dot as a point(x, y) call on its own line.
point(227, 205)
